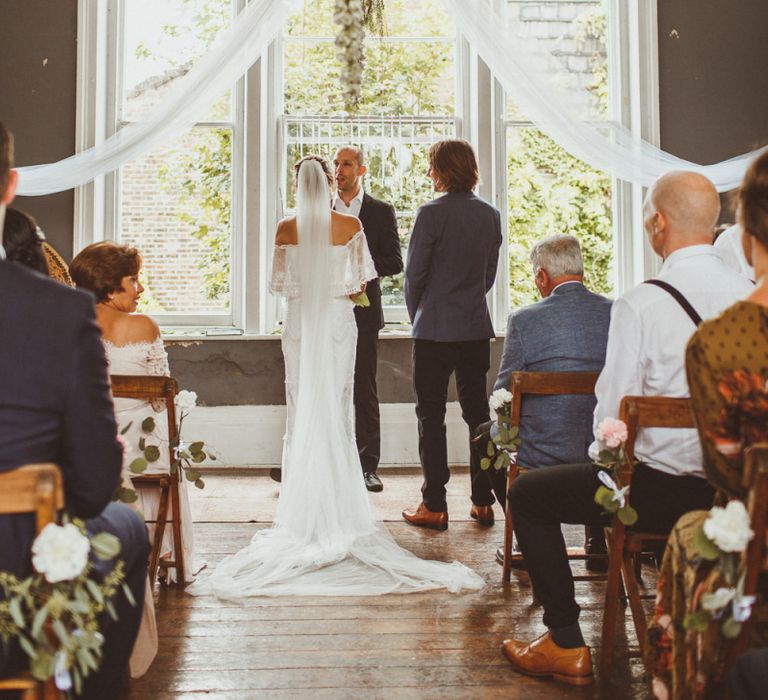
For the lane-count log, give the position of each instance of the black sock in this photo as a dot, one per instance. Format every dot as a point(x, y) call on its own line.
point(568, 637)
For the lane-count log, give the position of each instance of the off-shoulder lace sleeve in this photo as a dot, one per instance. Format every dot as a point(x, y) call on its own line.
point(157, 366)
point(359, 266)
point(282, 281)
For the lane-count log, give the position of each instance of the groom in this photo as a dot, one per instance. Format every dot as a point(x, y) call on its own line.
point(380, 225)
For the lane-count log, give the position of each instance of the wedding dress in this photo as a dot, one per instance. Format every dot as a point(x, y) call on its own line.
point(325, 539)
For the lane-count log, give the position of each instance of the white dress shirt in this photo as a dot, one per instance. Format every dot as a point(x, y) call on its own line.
point(354, 206)
point(729, 248)
point(647, 338)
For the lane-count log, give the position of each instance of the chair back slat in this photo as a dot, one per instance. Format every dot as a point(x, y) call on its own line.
point(548, 384)
point(653, 412)
point(149, 388)
point(34, 488)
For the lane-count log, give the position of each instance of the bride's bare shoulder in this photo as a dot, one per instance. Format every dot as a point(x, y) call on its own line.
point(344, 227)
point(286, 232)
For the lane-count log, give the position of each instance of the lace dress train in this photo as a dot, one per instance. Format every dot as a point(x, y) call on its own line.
point(325, 539)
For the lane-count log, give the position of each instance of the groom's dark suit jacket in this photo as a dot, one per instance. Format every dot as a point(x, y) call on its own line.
point(380, 225)
point(55, 404)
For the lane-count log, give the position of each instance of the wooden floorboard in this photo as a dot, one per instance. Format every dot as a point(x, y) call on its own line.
point(425, 645)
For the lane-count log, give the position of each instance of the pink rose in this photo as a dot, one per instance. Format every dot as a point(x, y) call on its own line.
point(612, 432)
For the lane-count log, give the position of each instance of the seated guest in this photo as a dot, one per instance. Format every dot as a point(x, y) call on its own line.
point(648, 333)
point(134, 346)
point(729, 248)
point(566, 331)
point(55, 407)
point(722, 357)
point(25, 243)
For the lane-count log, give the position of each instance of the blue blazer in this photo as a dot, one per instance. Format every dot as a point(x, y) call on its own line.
point(451, 266)
point(566, 332)
point(55, 404)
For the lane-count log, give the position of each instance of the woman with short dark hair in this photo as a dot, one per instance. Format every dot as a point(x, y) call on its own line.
point(23, 241)
point(105, 268)
point(452, 260)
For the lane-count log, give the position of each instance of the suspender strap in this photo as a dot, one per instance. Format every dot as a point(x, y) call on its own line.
point(679, 298)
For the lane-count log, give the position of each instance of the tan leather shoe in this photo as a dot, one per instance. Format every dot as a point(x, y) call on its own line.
point(483, 514)
point(424, 517)
point(544, 658)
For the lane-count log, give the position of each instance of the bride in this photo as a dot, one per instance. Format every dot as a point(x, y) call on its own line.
point(325, 539)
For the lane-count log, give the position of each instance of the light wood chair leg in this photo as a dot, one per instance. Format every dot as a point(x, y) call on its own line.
point(508, 526)
point(157, 543)
point(633, 594)
point(176, 525)
point(615, 542)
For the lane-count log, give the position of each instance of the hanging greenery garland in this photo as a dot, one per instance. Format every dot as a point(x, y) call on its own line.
point(353, 18)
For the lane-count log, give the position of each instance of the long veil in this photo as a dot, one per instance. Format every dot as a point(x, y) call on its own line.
point(325, 539)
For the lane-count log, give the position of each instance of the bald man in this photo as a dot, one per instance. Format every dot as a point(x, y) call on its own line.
point(649, 330)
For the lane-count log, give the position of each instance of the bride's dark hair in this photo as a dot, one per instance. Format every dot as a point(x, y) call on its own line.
point(324, 164)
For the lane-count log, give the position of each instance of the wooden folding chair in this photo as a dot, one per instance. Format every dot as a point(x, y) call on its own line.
point(35, 488)
point(152, 388)
point(624, 546)
point(756, 480)
point(542, 384)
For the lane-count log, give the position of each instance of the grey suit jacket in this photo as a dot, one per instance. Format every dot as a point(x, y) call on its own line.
point(451, 265)
point(566, 332)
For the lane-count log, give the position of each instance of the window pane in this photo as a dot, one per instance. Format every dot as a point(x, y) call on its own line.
point(176, 209)
point(550, 191)
point(162, 39)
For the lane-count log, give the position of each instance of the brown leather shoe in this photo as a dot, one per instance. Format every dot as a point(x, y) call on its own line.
point(483, 514)
point(543, 657)
point(424, 517)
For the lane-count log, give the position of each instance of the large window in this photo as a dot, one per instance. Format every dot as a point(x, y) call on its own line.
point(408, 103)
point(203, 209)
point(175, 204)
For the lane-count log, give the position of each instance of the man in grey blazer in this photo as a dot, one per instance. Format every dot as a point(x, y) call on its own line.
point(451, 266)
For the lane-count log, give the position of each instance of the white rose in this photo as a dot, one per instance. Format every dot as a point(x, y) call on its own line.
point(60, 553)
point(186, 400)
point(499, 398)
point(729, 527)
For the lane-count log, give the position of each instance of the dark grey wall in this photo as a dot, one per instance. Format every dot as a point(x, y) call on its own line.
point(38, 74)
point(243, 372)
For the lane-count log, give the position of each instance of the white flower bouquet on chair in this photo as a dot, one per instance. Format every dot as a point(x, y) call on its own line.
point(504, 442)
point(55, 613)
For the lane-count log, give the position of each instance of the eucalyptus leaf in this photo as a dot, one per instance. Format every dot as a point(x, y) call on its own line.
point(61, 632)
point(200, 484)
point(198, 457)
point(627, 515)
point(138, 465)
point(126, 428)
point(697, 621)
point(142, 443)
point(27, 647)
point(125, 495)
point(78, 682)
point(485, 463)
point(704, 546)
point(41, 666)
point(14, 607)
point(192, 474)
point(148, 424)
point(110, 609)
point(606, 457)
point(105, 546)
point(490, 450)
point(175, 466)
point(731, 628)
point(94, 590)
point(152, 453)
point(196, 447)
point(514, 431)
point(129, 595)
point(38, 620)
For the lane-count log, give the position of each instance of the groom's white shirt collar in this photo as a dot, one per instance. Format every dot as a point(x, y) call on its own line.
point(355, 204)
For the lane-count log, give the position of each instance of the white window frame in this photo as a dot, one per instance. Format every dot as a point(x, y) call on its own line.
point(258, 156)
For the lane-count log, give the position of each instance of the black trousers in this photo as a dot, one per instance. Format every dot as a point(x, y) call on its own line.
point(366, 399)
point(433, 364)
point(496, 478)
point(542, 499)
point(119, 636)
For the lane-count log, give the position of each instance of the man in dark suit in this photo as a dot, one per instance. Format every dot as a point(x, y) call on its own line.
point(55, 406)
point(380, 225)
point(452, 260)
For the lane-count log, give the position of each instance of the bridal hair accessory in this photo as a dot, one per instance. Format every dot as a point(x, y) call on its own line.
point(612, 495)
point(55, 614)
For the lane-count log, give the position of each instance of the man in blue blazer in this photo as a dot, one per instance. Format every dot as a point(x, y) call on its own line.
point(452, 259)
point(55, 406)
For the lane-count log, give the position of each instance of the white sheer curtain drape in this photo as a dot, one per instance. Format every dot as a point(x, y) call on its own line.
point(539, 83)
point(543, 90)
point(186, 103)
